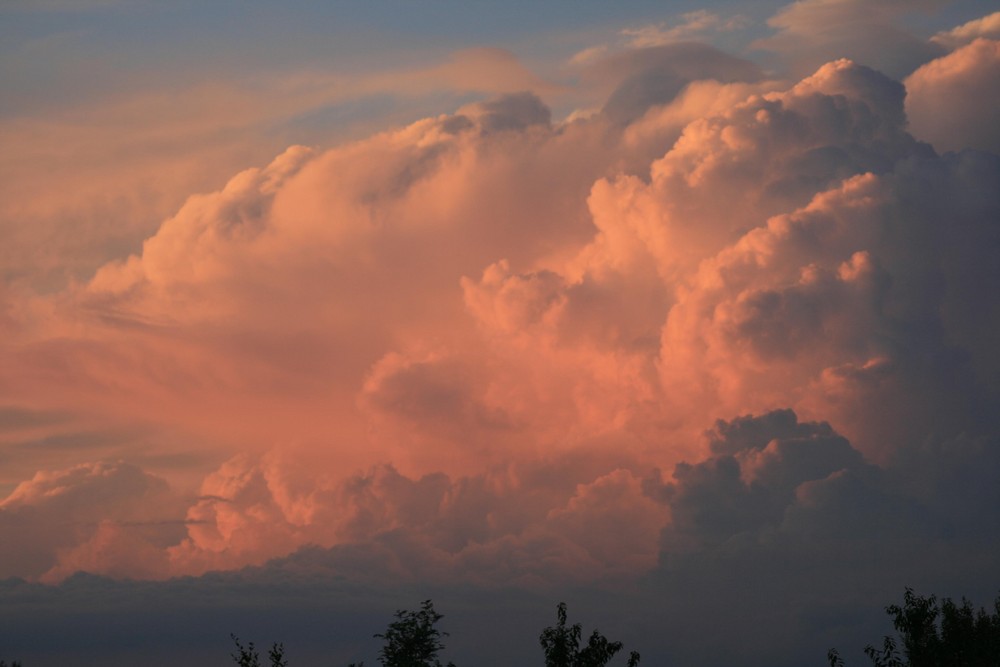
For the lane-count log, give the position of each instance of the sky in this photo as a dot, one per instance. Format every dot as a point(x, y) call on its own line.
point(683, 313)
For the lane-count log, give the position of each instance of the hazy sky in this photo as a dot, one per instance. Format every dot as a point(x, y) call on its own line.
point(684, 313)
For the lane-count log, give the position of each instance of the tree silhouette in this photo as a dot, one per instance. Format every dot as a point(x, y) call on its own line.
point(412, 640)
point(247, 656)
point(934, 635)
point(561, 645)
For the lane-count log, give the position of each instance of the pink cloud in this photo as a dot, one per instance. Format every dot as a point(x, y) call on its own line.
point(89, 516)
point(460, 348)
point(987, 26)
point(952, 101)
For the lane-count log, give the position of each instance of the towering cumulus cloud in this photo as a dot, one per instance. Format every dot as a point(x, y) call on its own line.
point(728, 336)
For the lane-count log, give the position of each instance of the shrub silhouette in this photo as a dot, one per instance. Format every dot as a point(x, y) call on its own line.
point(561, 645)
point(933, 635)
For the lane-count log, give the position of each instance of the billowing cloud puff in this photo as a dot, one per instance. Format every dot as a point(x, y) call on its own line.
point(952, 101)
point(859, 280)
point(728, 173)
point(843, 286)
point(761, 470)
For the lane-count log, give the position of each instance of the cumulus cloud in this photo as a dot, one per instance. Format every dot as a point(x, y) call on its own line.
point(459, 350)
point(762, 471)
point(952, 101)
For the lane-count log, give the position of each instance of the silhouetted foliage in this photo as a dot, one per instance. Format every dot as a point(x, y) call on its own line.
point(412, 640)
point(13, 664)
point(562, 646)
point(933, 635)
point(277, 655)
point(247, 656)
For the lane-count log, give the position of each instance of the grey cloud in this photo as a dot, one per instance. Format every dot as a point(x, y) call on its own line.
point(745, 489)
point(754, 433)
point(513, 111)
point(775, 476)
point(816, 541)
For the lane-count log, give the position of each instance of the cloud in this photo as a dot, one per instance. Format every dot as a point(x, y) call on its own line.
point(640, 78)
point(986, 27)
point(633, 317)
point(823, 165)
point(763, 467)
point(461, 350)
point(816, 31)
point(773, 502)
point(857, 306)
point(692, 24)
point(761, 265)
point(778, 502)
point(319, 230)
point(969, 79)
point(87, 181)
point(103, 517)
point(532, 522)
point(717, 352)
point(729, 172)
